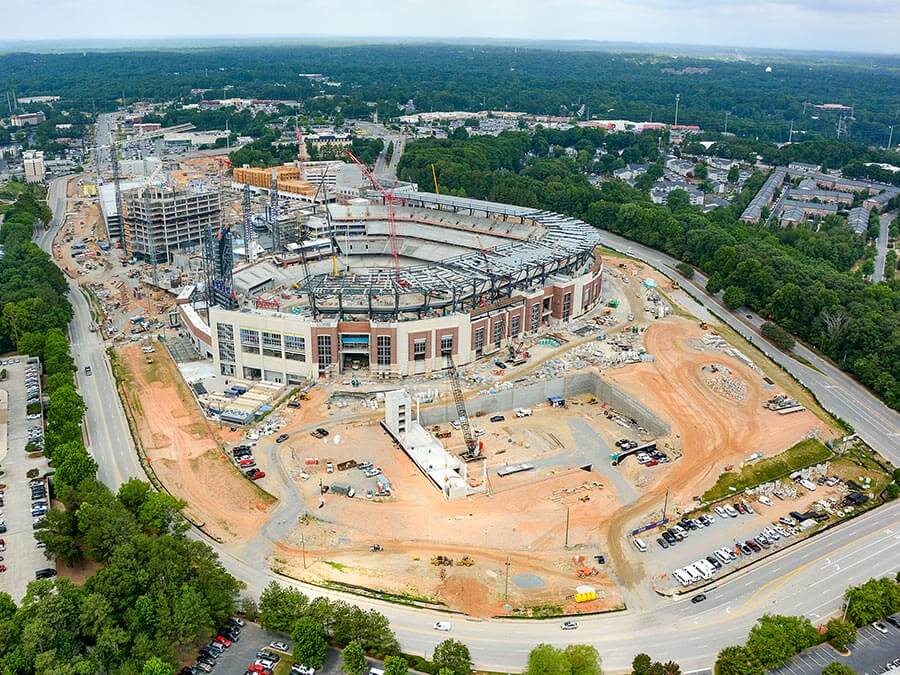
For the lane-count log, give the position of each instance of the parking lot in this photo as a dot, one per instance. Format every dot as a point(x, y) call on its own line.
point(235, 659)
point(870, 655)
point(21, 556)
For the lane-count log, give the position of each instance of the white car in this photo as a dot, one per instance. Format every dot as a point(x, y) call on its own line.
point(443, 626)
point(568, 625)
point(524, 412)
point(279, 645)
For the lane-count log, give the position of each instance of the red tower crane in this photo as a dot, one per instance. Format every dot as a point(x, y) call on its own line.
point(388, 196)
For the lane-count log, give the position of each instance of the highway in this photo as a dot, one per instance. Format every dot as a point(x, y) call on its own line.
point(808, 578)
point(383, 168)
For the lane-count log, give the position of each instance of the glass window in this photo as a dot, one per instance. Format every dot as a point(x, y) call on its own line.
point(514, 326)
point(271, 339)
point(535, 316)
point(295, 348)
point(446, 344)
point(383, 350)
point(323, 343)
point(479, 339)
point(498, 333)
point(419, 349)
point(567, 306)
point(225, 331)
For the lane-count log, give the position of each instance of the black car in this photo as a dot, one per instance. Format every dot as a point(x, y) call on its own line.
point(662, 542)
point(208, 651)
point(45, 573)
point(712, 560)
point(233, 634)
point(498, 418)
point(282, 438)
point(700, 597)
point(669, 537)
point(894, 620)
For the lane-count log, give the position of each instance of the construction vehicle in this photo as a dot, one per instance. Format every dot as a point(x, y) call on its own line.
point(587, 572)
point(675, 285)
point(375, 548)
point(703, 325)
point(465, 561)
point(473, 451)
point(441, 560)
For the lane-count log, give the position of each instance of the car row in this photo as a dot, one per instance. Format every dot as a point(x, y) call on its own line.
point(208, 654)
point(705, 568)
point(268, 658)
point(243, 458)
point(32, 385)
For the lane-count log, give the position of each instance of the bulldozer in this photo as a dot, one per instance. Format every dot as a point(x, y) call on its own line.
point(703, 325)
point(440, 560)
point(465, 561)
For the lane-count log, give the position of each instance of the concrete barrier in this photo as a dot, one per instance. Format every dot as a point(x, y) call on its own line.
point(535, 393)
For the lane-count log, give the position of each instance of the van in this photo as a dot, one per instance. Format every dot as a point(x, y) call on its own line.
point(694, 573)
point(683, 578)
point(639, 545)
point(808, 485)
point(706, 568)
point(376, 671)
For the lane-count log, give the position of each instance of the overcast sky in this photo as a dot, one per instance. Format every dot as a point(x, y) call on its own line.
point(845, 25)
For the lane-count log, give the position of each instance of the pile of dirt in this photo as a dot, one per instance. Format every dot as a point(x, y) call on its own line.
point(721, 380)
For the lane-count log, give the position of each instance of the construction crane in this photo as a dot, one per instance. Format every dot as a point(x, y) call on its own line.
point(388, 196)
point(472, 450)
point(302, 154)
point(437, 190)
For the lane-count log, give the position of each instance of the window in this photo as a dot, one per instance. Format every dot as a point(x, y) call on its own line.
point(271, 339)
point(226, 351)
point(446, 345)
point(323, 344)
point(294, 348)
point(514, 326)
point(535, 316)
point(383, 350)
point(567, 306)
point(419, 349)
point(225, 331)
point(249, 341)
point(498, 333)
point(479, 339)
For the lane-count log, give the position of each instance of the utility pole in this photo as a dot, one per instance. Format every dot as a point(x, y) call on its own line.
point(665, 504)
point(303, 544)
point(727, 115)
point(506, 589)
point(677, 101)
point(567, 525)
point(791, 133)
point(890, 137)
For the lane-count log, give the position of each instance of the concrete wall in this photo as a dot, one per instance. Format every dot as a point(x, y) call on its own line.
point(533, 394)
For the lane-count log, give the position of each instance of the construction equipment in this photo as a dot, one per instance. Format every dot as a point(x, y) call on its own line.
point(375, 548)
point(441, 560)
point(472, 449)
point(434, 176)
point(465, 561)
point(703, 325)
point(587, 572)
point(388, 197)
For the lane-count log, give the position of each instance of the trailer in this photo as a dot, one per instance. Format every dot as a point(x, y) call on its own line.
point(342, 489)
point(511, 469)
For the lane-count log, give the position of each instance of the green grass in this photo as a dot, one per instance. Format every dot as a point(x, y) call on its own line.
point(340, 567)
point(796, 457)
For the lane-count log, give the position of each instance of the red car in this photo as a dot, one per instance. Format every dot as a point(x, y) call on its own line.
point(257, 668)
point(2, 568)
point(247, 462)
point(224, 641)
point(256, 474)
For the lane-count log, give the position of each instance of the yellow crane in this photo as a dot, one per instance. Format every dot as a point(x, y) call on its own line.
point(437, 190)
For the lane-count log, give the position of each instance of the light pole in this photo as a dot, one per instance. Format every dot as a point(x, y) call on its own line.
point(890, 137)
point(567, 525)
point(677, 101)
point(727, 115)
point(506, 589)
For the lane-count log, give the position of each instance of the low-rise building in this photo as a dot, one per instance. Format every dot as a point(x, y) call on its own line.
point(28, 119)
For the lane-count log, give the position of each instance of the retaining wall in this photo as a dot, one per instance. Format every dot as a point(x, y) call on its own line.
point(535, 393)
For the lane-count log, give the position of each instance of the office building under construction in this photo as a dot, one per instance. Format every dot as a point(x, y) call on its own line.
point(159, 220)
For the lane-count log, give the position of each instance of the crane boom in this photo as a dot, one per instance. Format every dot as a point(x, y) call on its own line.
point(388, 196)
point(472, 451)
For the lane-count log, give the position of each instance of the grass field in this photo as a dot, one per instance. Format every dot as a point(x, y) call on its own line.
point(796, 457)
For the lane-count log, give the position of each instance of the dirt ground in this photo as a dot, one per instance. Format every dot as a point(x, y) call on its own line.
point(713, 430)
point(182, 450)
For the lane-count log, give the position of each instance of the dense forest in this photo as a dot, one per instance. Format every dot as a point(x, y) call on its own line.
point(799, 278)
point(762, 103)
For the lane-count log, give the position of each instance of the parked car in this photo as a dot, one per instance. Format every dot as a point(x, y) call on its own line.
point(45, 573)
point(569, 625)
point(87, 370)
point(880, 627)
point(498, 418)
point(255, 474)
point(279, 645)
point(282, 438)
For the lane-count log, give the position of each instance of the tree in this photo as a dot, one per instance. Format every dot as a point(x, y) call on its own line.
point(582, 660)
point(872, 601)
point(547, 660)
point(733, 297)
point(157, 666)
point(353, 659)
point(777, 336)
point(280, 607)
point(840, 634)
point(776, 639)
point(395, 665)
point(738, 660)
point(453, 655)
point(686, 270)
point(310, 643)
point(641, 664)
point(837, 668)
point(734, 174)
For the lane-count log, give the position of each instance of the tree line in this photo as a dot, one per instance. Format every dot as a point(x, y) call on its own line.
point(802, 279)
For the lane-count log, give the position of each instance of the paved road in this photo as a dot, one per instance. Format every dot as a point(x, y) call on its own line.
point(835, 390)
point(383, 168)
point(886, 219)
point(809, 578)
point(869, 654)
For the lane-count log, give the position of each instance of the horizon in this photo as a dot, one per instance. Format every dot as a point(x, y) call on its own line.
point(830, 26)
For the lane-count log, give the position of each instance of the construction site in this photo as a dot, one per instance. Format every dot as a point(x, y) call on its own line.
point(445, 401)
